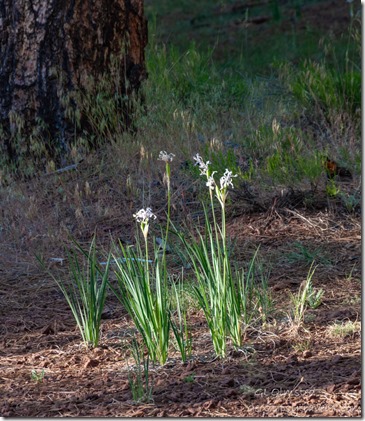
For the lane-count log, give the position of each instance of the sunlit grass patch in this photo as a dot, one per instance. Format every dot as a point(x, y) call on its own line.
point(342, 329)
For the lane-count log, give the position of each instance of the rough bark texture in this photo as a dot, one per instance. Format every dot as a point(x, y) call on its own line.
point(51, 49)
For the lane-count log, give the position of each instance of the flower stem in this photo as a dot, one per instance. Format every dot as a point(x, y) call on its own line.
point(168, 173)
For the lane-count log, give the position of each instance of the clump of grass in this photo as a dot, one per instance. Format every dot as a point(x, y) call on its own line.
point(332, 83)
point(306, 255)
point(306, 296)
point(180, 327)
point(191, 78)
point(87, 291)
point(328, 90)
point(341, 329)
point(302, 346)
point(139, 378)
point(290, 157)
point(258, 303)
point(317, 86)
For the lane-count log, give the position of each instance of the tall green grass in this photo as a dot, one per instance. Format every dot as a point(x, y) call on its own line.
point(139, 376)
point(86, 292)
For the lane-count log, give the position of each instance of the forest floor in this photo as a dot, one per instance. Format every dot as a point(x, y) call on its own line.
point(281, 371)
point(313, 370)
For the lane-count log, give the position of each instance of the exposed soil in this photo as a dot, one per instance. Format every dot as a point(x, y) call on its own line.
point(280, 371)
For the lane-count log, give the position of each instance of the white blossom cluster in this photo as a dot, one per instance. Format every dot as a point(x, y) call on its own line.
point(225, 181)
point(166, 157)
point(211, 182)
point(203, 166)
point(144, 215)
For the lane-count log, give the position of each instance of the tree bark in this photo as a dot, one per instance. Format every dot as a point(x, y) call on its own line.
point(53, 51)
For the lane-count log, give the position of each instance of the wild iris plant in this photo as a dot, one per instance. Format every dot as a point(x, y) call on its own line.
point(149, 307)
point(220, 293)
point(167, 158)
point(180, 328)
point(86, 293)
point(147, 292)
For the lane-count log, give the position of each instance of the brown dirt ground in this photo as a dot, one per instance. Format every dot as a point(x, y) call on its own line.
point(281, 371)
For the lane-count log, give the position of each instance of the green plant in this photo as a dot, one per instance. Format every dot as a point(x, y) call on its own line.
point(343, 329)
point(327, 89)
point(314, 296)
point(331, 189)
point(306, 255)
point(248, 390)
point(149, 308)
point(222, 293)
point(221, 159)
point(351, 201)
point(87, 291)
point(300, 299)
point(184, 288)
point(191, 78)
point(139, 379)
point(36, 376)
point(210, 261)
point(302, 346)
point(290, 155)
point(180, 327)
point(190, 378)
point(257, 301)
point(350, 276)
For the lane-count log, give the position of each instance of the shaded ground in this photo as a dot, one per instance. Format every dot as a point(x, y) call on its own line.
point(279, 372)
point(249, 31)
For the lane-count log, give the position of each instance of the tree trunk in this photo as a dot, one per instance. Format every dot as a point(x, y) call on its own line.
point(53, 53)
